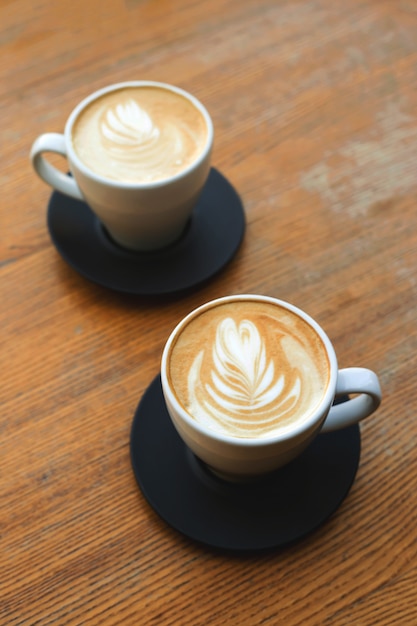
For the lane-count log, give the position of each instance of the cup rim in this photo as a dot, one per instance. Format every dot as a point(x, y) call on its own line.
point(315, 418)
point(86, 171)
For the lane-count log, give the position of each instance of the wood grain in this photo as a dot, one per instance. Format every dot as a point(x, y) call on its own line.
point(314, 105)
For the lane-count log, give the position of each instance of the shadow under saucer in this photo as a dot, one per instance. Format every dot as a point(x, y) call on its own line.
point(271, 512)
point(210, 240)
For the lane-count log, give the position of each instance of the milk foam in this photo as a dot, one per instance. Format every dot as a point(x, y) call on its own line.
point(128, 125)
point(139, 135)
point(249, 375)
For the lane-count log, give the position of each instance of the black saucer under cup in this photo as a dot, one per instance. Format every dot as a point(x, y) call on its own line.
point(210, 240)
point(271, 512)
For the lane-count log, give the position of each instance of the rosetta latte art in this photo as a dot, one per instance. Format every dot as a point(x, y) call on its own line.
point(237, 388)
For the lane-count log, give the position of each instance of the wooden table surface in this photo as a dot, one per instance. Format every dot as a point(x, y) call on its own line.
point(314, 105)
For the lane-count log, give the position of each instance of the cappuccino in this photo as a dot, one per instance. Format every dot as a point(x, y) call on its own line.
point(139, 134)
point(248, 368)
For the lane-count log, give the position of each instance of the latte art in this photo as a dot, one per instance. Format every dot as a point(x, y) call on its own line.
point(130, 137)
point(139, 134)
point(244, 389)
point(128, 125)
point(248, 369)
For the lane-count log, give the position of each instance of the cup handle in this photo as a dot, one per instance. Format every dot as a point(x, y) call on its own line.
point(53, 142)
point(353, 380)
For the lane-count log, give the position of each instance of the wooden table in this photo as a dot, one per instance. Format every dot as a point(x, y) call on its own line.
point(315, 109)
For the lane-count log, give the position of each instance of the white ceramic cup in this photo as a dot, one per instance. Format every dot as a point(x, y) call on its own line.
point(238, 458)
point(138, 216)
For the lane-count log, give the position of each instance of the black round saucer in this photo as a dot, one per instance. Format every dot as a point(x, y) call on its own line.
point(269, 513)
point(209, 242)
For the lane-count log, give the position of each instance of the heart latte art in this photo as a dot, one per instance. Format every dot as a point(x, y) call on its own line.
point(139, 134)
point(248, 368)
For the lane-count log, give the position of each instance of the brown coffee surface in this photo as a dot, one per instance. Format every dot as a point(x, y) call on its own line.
point(139, 134)
point(248, 368)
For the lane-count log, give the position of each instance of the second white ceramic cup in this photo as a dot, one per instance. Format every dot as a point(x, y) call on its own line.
point(138, 216)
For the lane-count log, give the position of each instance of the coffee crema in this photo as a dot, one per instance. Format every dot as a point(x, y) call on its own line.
point(139, 134)
point(248, 368)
